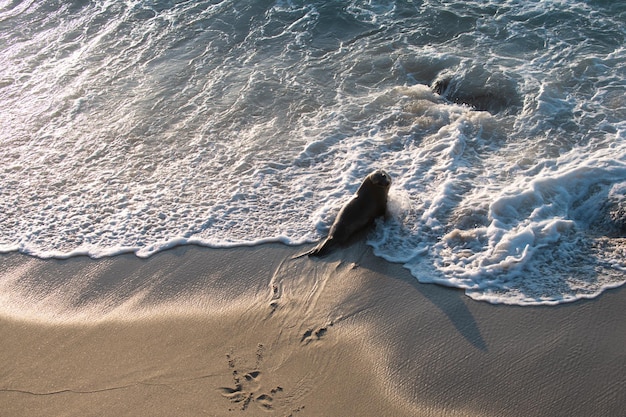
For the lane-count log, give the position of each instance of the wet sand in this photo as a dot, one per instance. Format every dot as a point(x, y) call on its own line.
point(249, 331)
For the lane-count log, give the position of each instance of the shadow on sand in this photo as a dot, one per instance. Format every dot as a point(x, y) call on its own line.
point(451, 302)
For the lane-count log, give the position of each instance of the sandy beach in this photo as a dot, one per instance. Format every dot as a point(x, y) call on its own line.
point(250, 331)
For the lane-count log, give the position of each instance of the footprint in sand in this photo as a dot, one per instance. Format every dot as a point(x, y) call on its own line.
point(247, 389)
point(313, 335)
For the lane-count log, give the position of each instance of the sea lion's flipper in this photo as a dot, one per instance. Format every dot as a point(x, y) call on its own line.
point(318, 251)
point(323, 248)
point(301, 255)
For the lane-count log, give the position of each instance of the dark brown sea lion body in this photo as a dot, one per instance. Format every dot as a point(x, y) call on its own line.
point(369, 202)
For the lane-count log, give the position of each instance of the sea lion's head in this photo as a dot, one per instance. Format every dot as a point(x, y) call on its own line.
point(380, 178)
point(375, 184)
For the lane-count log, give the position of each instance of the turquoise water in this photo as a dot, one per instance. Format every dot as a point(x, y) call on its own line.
point(140, 125)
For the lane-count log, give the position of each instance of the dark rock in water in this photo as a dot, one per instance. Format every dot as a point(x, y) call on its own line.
point(479, 89)
point(617, 216)
point(610, 219)
point(616, 209)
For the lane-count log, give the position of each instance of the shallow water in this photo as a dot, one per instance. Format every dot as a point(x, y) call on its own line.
point(136, 126)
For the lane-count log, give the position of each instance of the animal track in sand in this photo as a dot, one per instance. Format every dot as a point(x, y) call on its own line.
point(313, 335)
point(247, 389)
point(275, 296)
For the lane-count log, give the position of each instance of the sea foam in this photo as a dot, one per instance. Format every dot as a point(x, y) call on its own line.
point(139, 126)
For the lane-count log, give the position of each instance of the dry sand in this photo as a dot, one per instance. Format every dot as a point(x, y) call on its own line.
point(249, 331)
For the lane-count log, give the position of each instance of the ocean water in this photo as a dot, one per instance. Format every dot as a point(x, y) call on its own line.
point(135, 126)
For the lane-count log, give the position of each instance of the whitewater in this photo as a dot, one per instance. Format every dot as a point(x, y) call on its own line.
point(137, 126)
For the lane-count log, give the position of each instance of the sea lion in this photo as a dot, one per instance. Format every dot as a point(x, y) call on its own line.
point(369, 202)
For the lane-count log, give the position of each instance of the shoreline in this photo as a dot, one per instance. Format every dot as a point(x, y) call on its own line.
point(250, 331)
